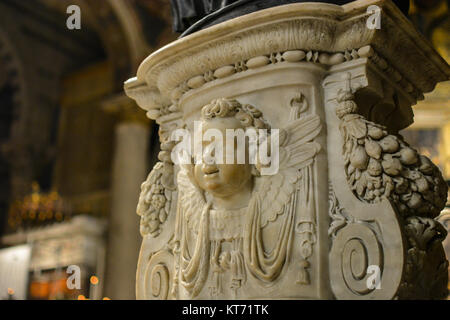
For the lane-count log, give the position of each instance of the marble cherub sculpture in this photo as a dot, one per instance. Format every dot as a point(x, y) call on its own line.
point(234, 226)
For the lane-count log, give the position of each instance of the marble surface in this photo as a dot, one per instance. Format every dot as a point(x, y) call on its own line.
point(349, 214)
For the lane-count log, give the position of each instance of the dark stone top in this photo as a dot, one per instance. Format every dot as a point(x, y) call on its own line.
point(194, 15)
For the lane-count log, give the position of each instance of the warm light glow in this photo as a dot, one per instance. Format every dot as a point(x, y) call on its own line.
point(94, 280)
point(106, 298)
point(38, 208)
point(81, 297)
point(10, 291)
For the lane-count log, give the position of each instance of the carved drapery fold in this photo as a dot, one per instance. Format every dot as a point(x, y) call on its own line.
point(266, 266)
point(194, 270)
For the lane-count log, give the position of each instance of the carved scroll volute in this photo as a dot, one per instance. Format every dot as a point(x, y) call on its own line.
point(157, 277)
point(370, 237)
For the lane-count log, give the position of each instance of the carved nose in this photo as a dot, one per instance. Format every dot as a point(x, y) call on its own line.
point(210, 169)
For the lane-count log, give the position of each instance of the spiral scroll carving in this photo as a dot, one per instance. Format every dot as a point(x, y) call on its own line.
point(157, 276)
point(355, 248)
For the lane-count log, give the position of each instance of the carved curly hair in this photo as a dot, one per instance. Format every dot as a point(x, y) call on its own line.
point(248, 115)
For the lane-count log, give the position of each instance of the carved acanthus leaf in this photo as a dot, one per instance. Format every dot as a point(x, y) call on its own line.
point(426, 274)
point(339, 219)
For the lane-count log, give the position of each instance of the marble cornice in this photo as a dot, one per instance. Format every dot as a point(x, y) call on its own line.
point(315, 28)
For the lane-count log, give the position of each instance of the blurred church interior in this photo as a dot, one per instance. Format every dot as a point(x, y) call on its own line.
point(74, 149)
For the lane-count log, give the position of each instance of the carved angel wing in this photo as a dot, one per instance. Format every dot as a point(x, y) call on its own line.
point(297, 151)
point(190, 199)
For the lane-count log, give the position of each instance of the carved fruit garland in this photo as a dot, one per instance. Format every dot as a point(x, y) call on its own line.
point(156, 192)
point(382, 165)
point(154, 202)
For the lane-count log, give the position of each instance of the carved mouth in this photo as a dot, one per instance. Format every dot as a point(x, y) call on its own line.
point(212, 174)
point(210, 170)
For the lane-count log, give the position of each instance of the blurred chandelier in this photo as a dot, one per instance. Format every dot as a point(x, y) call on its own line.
point(38, 209)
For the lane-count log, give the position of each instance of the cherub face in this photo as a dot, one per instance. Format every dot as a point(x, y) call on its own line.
point(222, 180)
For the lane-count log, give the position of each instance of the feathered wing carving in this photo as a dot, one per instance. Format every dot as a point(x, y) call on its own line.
point(277, 197)
point(192, 216)
point(191, 199)
point(297, 151)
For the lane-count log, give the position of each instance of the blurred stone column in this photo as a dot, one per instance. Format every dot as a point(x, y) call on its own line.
point(130, 166)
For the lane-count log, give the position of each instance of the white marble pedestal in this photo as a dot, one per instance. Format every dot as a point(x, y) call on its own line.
point(356, 219)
